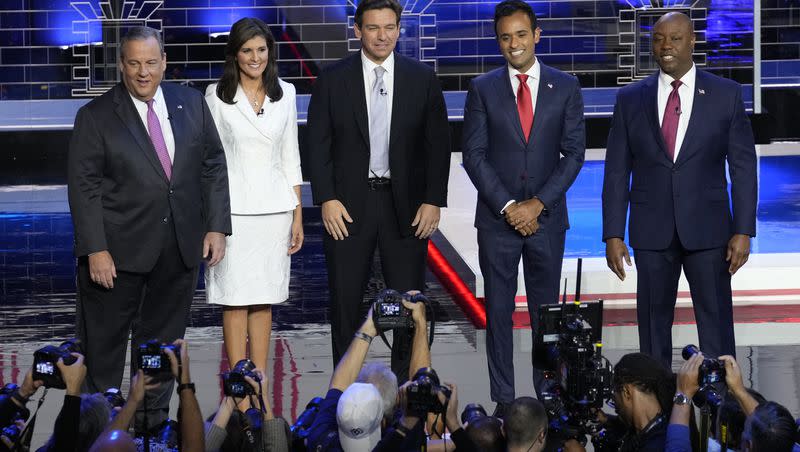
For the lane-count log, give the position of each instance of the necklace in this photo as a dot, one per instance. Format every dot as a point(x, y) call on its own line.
point(254, 98)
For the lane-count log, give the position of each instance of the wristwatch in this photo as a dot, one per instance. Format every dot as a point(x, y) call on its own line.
point(680, 399)
point(183, 386)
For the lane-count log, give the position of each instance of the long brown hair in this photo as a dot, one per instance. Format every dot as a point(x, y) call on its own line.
point(242, 31)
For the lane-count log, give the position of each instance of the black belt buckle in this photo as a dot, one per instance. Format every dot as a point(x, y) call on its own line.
point(378, 183)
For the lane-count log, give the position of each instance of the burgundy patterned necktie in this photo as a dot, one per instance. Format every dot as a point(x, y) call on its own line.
point(672, 115)
point(157, 137)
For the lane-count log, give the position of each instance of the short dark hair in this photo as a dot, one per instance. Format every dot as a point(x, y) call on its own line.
point(524, 420)
point(646, 374)
point(731, 418)
point(487, 434)
point(139, 33)
point(367, 5)
point(509, 7)
point(770, 427)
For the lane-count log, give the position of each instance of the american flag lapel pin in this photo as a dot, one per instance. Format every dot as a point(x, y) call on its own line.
point(550, 85)
point(701, 91)
point(180, 107)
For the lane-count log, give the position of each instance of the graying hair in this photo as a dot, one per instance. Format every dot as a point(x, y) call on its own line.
point(382, 377)
point(140, 34)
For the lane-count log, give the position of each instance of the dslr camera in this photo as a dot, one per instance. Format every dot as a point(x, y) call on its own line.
point(423, 393)
point(300, 429)
point(472, 412)
point(233, 382)
point(114, 397)
point(45, 359)
point(153, 360)
point(389, 313)
point(711, 376)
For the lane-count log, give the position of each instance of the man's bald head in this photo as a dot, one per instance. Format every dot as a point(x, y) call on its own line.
point(673, 44)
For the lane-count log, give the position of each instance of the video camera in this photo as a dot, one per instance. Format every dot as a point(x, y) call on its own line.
point(233, 382)
point(299, 429)
point(422, 394)
point(577, 378)
point(153, 360)
point(388, 311)
point(710, 378)
point(45, 359)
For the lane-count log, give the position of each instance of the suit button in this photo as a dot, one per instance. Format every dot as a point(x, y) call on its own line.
point(164, 220)
point(171, 191)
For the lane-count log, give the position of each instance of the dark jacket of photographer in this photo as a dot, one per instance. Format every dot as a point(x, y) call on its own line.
point(274, 436)
point(652, 438)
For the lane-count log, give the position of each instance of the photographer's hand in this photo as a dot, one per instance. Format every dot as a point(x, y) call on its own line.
point(191, 421)
point(688, 385)
point(73, 374)
point(407, 420)
point(417, 309)
point(139, 384)
point(29, 386)
point(349, 366)
point(733, 378)
point(451, 415)
point(180, 370)
point(224, 412)
point(420, 350)
point(260, 387)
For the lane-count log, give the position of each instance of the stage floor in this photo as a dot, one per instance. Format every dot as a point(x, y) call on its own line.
point(37, 295)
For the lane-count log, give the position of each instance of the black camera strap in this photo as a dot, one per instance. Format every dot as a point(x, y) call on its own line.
point(28, 429)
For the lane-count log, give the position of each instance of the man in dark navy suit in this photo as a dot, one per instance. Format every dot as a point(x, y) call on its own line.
point(673, 133)
point(524, 144)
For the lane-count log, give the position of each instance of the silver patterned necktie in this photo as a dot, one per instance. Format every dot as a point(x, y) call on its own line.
point(379, 126)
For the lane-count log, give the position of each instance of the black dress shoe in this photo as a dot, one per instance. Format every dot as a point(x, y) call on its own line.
point(500, 410)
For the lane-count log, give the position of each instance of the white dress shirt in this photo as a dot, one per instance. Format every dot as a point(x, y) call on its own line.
point(686, 93)
point(534, 74)
point(368, 67)
point(160, 107)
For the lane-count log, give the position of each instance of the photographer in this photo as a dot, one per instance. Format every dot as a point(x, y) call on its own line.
point(67, 431)
point(769, 428)
point(13, 404)
point(525, 425)
point(274, 431)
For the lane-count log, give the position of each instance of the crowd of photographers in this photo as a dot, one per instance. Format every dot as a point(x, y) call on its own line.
point(704, 407)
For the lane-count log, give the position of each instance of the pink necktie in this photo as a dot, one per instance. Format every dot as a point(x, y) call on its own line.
point(524, 105)
point(157, 137)
point(672, 114)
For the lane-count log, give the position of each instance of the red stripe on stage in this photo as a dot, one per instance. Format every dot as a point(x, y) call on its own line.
point(454, 285)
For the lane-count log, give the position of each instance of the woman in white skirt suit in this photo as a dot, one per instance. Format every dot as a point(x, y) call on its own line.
point(256, 117)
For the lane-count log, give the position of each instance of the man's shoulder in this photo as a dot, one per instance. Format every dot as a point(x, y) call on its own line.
point(412, 65)
point(181, 91)
point(339, 66)
point(105, 100)
point(557, 74)
point(709, 79)
point(488, 77)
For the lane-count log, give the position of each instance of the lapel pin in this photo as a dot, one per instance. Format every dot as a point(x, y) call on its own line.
point(180, 107)
point(701, 91)
point(550, 85)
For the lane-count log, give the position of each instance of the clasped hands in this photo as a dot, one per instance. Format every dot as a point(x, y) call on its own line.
point(524, 216)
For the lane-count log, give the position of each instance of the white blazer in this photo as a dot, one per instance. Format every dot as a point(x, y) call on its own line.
point(262, 152)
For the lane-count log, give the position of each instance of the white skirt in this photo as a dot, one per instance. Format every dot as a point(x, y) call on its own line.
point(255, 269)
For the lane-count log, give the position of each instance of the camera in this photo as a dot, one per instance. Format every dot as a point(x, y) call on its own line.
point(153, 360)
point(472, 412)
point(233, 382)
point(114, 397)
point(423, 393)
point(45, 359)
point(710, 378)
point(389, 313)
point(300, 428)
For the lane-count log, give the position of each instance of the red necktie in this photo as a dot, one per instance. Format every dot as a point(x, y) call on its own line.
point(524, 105)
point(669, 123)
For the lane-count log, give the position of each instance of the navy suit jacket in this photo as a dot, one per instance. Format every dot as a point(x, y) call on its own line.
point(691, 195)
point(503, 166)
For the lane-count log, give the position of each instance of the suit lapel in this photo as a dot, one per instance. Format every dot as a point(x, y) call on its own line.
point(243, 105)
point(543, 96)
point(650, 107)
point(177, 119)
point(130, 117)
point(354, 83)
point(507, 100)
point(398, 91)
point(699, 111)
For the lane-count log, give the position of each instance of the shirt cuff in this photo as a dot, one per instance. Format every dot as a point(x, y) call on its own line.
point(503, 210)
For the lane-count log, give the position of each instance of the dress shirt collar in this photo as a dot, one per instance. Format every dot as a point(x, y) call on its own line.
point(159, 100)
point(533, 72)
point(688, 79)
point(369, 65)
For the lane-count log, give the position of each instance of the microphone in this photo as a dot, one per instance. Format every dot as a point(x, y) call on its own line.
point(678, 111)
point(260, 112)
point(383, 92)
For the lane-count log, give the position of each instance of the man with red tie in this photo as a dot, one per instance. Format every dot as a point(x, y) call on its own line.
point(524, 144)
point(671, 137)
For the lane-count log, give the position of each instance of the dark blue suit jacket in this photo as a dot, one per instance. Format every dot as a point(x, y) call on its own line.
point(691, 195)
point(499, 162)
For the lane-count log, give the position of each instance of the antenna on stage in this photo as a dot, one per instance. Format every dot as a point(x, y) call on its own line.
point(564, 296)
point(578, 280)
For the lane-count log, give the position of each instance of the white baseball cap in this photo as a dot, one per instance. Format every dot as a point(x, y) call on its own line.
point(359, 414)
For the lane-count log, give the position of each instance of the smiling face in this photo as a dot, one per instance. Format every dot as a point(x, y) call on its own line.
point(378, 33)
point(518, 40)
point(673, 44)
point(142, 65)
point(252, 58)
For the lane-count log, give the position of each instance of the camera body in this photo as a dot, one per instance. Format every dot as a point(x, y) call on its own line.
point(114, 397)
point(710, 378)
point(423, 393)
point(233, 382)
point(472, 412)
point(388, 311)
point(300, 429)
point(45, 359)
point(153, 360)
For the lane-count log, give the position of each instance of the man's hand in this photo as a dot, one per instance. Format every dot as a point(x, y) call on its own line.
point(738, 252)
point(572, 445)
point(296, 241)
point(260, 388)
point(417, 308)
point(73, 374)
point(181, 372)
point(213, 247)
point(616, 251)
point(733, 374)
point(368, 327)
point(140, 383)
point(452, 417)
point(408, 420)
point(101, 269)
point(29, 385)
point(523, 215)
point(333, 217)
point(688, 375)
point(426, 220)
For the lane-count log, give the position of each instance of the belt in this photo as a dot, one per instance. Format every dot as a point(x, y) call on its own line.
point(379, 183)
